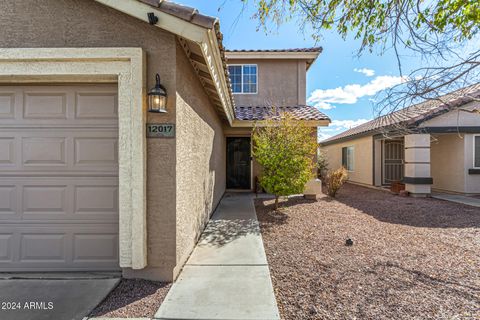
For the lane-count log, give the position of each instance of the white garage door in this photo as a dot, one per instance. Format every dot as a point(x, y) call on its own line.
point(58, 178)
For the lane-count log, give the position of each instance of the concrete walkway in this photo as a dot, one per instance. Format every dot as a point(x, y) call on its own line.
point(469, 201)
point(227, 275)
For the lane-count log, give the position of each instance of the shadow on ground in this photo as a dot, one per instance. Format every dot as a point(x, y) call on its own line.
point(220, 232)
point(417, 212)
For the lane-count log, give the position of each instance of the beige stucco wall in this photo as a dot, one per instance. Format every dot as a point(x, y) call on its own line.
point(280, 82)
point(201, 158)
point(447, 156)
point(452, 154)
point(472, 181)
point(456, 118)
point(363, 156)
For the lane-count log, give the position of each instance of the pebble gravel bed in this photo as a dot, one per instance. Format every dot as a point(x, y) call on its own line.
point(133, 298)
point(411, 258)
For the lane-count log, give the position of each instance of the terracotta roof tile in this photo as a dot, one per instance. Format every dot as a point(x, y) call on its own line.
point(301, 112)
point(413, 115)
point(183, 12)
point(314, 49)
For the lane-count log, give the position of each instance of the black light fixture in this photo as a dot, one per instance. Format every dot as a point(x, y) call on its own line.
point(152, 18)
point(157, 98)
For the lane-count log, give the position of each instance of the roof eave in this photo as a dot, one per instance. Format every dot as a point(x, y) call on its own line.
point(262, 123)
point(205, 37)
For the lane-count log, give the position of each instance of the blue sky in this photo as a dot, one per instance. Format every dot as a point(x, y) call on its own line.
point(339, 83)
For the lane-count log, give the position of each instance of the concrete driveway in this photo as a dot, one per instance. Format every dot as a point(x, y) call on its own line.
point(53, 296)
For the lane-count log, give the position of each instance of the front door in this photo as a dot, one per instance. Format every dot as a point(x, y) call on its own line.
point(238, 163)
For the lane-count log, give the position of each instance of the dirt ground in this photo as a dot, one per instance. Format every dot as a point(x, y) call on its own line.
point(411, 258)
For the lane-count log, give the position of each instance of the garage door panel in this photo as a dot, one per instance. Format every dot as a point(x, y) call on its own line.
point(44, 151)
point(58, 178)
point(95, 199)
point(61, 199)
point(8, 200)
point(96, 151)
point(45, 199)
point(94, 247)
point(43, 247)
point(44, 105)
point(87, 105)
point(58, 247)
point(94, 105)
point(7, 151)
point(7, 105)
point(58, 150)
point(5, 247)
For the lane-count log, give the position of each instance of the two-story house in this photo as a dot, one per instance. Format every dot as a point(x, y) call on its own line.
point(264, 82)
point(120, 132)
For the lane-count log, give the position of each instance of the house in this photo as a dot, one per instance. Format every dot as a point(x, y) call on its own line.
point(434, 145)
point(90, 180)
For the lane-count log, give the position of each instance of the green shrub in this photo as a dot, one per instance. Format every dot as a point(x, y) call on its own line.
point(335, 180)
point(285, 148)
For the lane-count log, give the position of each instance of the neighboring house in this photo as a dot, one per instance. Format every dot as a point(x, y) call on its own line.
point(82, 188)
point(431, 145)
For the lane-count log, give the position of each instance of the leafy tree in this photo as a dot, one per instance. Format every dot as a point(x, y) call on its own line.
point(442, 34)
point(285, 148)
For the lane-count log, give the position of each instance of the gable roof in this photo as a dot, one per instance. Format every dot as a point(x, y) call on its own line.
point(410, 116)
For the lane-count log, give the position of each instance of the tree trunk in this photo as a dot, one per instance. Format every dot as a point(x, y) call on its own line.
point(276, 202)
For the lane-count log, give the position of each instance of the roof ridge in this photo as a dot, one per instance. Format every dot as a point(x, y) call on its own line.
point(420, 112)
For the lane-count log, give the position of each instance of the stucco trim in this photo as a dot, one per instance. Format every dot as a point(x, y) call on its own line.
point(126, 66)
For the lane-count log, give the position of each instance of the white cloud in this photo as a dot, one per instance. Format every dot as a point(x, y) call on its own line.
point(350, 94)
point(365, 71)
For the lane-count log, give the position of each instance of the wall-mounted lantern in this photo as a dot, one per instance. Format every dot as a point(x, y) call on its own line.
point(157, 98)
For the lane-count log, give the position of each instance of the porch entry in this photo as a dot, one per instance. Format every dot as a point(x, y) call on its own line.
point(393, 161)
point(238, 163)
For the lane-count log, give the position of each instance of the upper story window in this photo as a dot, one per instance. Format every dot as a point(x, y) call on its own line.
point(243, 78)
point(348, 158)
point(476, 151)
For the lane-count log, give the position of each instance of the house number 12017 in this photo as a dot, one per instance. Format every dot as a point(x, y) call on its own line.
point(160, 130)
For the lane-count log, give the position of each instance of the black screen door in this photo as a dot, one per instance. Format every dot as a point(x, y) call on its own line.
point(238, 163)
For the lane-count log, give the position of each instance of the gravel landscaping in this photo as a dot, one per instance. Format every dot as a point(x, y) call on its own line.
point(411, 258)
point(133, 298)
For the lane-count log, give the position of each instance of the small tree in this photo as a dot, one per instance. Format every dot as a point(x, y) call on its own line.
point(285, 148)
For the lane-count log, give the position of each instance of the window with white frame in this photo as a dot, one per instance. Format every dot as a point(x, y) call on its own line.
point(476, 151)
point(348, 158)
point(243, 78)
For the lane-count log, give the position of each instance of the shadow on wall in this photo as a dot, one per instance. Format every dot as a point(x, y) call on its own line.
point(416, 212)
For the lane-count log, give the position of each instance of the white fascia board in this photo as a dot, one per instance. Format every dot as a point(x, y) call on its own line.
point(166, 21)
point(214, 61)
